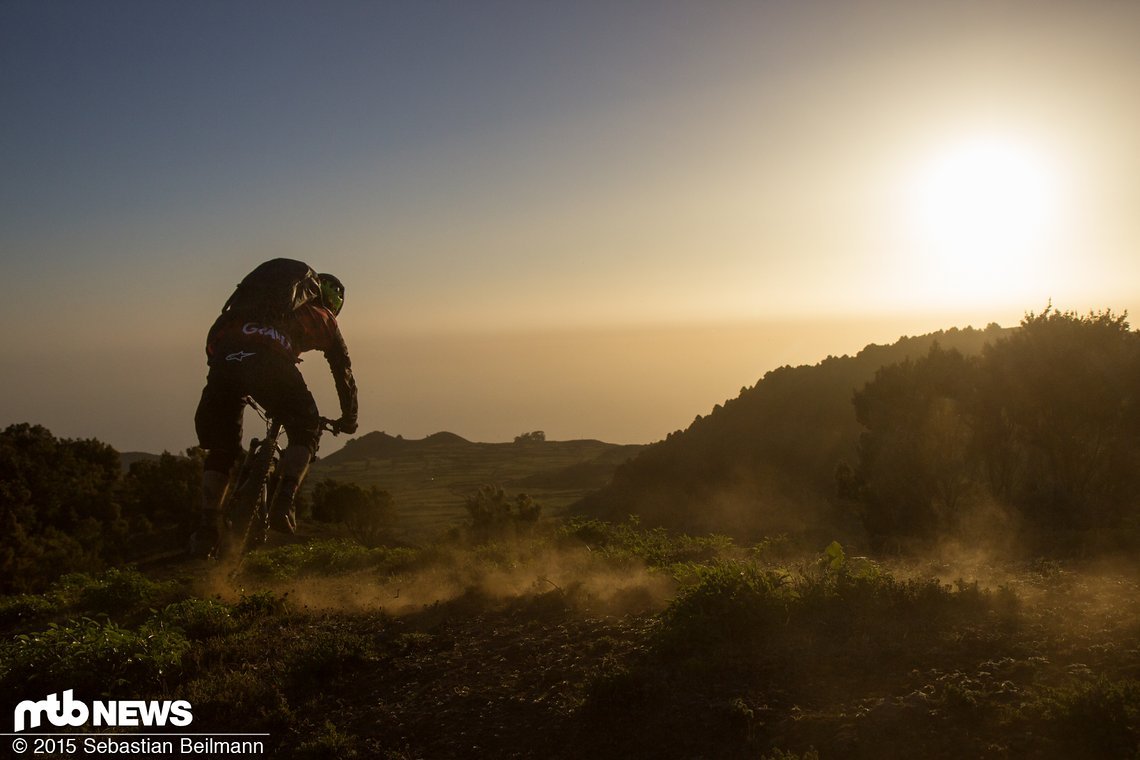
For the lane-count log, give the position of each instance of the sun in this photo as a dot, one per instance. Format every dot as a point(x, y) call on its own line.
point(982, 209)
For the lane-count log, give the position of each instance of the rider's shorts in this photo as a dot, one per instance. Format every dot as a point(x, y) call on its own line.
point(274, 382)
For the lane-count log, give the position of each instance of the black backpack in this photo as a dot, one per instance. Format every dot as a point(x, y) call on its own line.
point(275, 289)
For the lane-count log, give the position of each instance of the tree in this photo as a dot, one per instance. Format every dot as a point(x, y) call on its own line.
point(1060, 419)
point(536, 436)
point(916, 457)
point(164, 492)
point(59, 508)
point(494, 514)
point(368, 513)
point(1046, 422)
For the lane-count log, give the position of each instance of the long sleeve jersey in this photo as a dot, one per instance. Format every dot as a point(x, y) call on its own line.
point(308, 328)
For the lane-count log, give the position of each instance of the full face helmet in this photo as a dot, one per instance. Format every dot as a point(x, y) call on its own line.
point(332, 293)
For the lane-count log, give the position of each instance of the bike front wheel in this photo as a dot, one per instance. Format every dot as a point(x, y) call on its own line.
point(247, 518)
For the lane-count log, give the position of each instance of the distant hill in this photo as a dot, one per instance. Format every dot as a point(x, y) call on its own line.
point(429, 478)
point(764, 462)
point(127, 458)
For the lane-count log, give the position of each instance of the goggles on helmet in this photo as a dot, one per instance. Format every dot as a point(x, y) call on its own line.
point(332, 293)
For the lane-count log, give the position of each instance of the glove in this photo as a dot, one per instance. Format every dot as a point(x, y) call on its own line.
point(345, 425)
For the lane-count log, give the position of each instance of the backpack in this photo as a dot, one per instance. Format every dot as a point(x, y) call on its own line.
point(274, 289)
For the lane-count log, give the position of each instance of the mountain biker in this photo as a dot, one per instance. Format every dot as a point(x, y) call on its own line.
point(250, 354)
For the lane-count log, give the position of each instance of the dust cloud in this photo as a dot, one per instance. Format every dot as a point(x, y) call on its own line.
point(449, 575)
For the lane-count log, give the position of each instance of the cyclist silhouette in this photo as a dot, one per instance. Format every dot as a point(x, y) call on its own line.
point(250, 353)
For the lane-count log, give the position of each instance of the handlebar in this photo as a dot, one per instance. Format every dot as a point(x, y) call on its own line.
point(326, 425)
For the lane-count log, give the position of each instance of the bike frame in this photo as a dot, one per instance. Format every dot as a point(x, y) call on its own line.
point(246, 508)
point(248, 505)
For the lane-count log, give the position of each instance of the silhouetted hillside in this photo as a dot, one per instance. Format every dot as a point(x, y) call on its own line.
point(381, 445)
point(765, 461)
point(127, 458)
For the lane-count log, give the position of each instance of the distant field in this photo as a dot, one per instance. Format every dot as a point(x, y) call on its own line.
point(429, 478)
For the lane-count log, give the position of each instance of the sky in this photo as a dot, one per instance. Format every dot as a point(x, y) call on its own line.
point(596, 219)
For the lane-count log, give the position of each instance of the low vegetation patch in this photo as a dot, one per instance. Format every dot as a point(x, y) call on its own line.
point(324, 558)
point(753, 652)
point(629, 543)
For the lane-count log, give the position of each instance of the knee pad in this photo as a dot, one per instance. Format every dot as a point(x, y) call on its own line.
point(304, 435)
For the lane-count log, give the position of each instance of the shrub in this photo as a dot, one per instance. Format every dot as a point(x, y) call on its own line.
point(324, 558)
point(1097, 719)
point(628, 542)
point(59, 510)
point(729, 601)
point(94, 658)
point(494, 514)
point(199, 618)
point(322, 655)
point(241, 700)
point(261, 604)
point(115, 592)
point(836, 607)
point(329, 741)
point(24, 608)
point(369, 513)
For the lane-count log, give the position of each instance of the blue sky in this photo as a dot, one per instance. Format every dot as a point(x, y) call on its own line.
point(593, 194)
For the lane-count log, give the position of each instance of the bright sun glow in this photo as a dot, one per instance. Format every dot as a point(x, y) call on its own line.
point(984, 210)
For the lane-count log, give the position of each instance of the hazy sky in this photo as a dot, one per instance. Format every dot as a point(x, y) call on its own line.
point(593, 218)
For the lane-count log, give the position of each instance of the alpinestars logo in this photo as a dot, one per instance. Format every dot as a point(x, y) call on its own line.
point(71, 712)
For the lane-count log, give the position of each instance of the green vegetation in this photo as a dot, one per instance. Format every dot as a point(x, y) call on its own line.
point(57, 506)
point(331, 557)
point(1039, 432)
point(66, 506)
point(494, 514)
point(369, 513)
point(629, 544)
point(94, 657)
point(758, 651)
point(524, 632)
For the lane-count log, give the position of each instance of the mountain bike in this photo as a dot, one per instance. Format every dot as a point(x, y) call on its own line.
point(246, 507)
